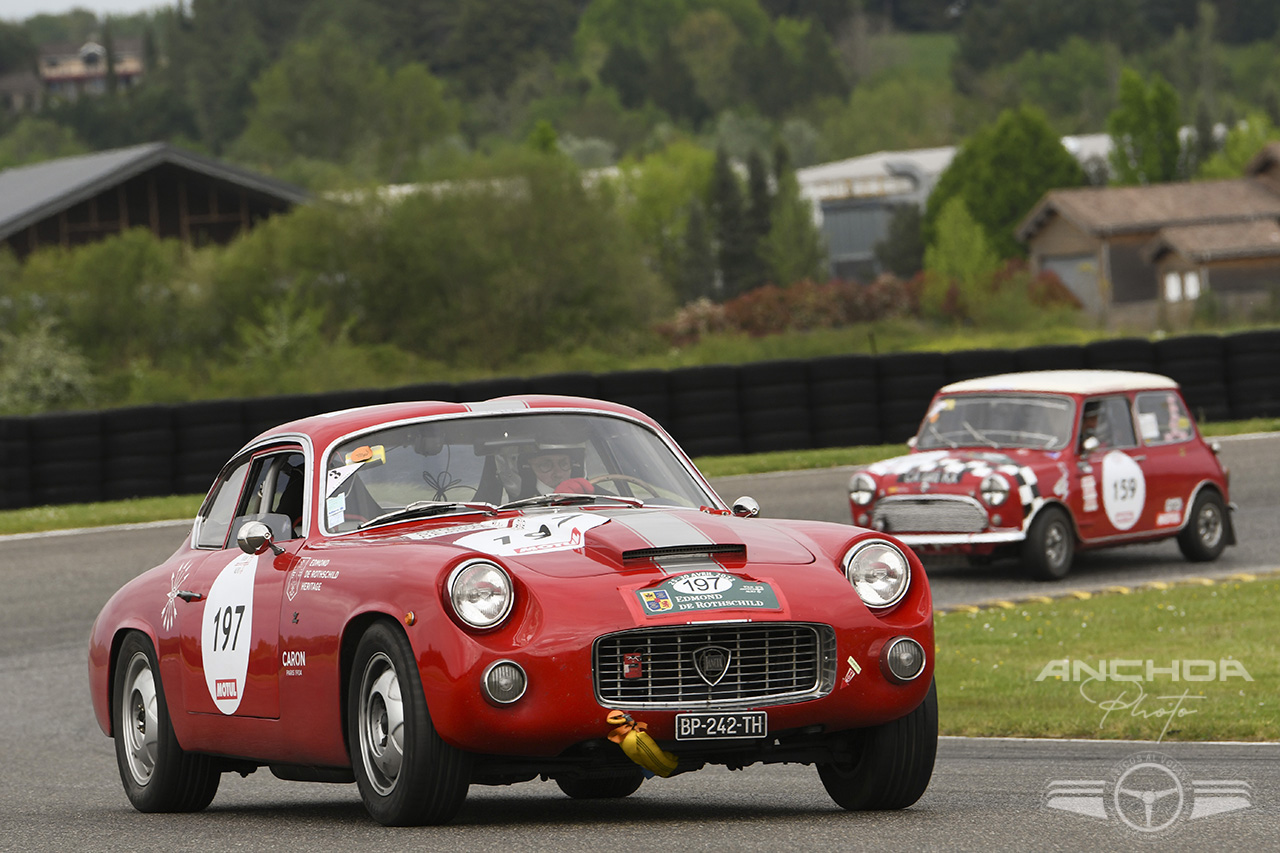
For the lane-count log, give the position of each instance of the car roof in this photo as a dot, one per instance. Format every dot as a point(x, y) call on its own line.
point(327, 427)
point(1065, 382)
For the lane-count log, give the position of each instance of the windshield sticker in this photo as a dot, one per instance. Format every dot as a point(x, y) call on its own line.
point(533, 535)
point(1124, 490)
point(699, 591)
point(335, 510)
point(227, 633)
point(338, 476)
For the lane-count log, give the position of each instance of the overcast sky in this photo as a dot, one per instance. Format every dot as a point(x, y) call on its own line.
point(19, 10)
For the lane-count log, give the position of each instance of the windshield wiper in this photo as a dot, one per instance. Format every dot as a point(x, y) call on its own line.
point(979, 435)
point(422, 509)
point(953, 444)
point(568, 499)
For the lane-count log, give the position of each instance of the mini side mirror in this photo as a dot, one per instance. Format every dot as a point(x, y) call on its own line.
point(746, 507)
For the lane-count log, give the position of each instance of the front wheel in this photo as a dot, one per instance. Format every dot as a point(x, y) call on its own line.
point(1205, 535)
point(406, 774)
point(158, 775)
point(1050, 545)
point(894, 763)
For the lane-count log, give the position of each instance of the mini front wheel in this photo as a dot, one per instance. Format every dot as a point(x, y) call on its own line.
point(1050, 545)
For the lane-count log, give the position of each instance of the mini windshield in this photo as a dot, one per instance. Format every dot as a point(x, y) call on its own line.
point(456, 465)
point(997, 421)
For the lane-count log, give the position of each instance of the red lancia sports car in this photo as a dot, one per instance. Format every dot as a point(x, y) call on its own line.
point(419, 597)
point(1041, 464)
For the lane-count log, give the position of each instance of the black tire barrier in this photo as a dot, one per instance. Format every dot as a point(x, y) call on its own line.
point(646, 390)
point(1047, 357)
point(565, 384)
point(972, 364)
point(1121, 354)
point(833, 401)
point(774, 397)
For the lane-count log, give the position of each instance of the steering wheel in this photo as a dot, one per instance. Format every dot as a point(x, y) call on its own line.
point(626, 478)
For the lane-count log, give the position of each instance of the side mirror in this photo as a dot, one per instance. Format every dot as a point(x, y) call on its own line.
point(911, 442)
point(255, 538)
point(1091, 444)
point(746, 507)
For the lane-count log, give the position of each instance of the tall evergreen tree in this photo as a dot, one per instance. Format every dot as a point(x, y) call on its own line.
point(733, 242)
point(696, 278)
point(759, 217)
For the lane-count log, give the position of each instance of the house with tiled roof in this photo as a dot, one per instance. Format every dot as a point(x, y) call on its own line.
point(1146, 254)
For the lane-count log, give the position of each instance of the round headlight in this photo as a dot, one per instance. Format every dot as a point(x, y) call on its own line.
point(862, 488)
point(481, 593)
point(994, 488)
point(878, 571)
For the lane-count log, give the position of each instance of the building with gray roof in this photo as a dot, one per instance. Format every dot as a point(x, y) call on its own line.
point(173, 193)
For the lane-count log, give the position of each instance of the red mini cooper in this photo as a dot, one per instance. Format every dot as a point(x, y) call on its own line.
point(1041, 464)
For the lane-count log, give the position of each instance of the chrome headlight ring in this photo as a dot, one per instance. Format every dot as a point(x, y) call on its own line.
point(879, 572)
point(994, 489)
point(862, 488)
point(481, 593)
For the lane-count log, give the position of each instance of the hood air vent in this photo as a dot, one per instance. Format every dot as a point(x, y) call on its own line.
point(705, 550)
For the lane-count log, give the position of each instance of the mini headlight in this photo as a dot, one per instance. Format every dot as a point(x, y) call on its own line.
point(481, 593)
point(862, 488)
point(994, 488)
point(878, 571)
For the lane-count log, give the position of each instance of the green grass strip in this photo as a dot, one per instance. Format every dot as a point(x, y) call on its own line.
point(1000, 669)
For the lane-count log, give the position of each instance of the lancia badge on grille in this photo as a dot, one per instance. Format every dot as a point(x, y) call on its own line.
point(711, 663)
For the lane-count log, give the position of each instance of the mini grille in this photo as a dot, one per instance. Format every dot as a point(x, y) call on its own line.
point(773, 663)
point(935, 515)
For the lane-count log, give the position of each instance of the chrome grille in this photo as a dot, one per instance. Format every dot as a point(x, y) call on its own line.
point(930, 515)
point(769, 663)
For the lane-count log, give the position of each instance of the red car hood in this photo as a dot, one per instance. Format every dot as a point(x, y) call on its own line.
point(572, 542)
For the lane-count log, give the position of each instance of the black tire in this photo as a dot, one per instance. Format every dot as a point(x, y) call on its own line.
point(1050, 545)
point(1205, 534)
point(894, 765)
point(158, 775)
point(414, 779)
point(603, 788)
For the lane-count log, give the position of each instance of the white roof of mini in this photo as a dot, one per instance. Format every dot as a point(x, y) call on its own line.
point(1066, 382)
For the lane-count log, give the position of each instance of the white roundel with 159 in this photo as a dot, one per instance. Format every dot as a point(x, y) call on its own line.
point(1124, 490)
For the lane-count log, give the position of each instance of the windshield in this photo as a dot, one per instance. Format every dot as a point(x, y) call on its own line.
point(499, 460)
point(997, 421)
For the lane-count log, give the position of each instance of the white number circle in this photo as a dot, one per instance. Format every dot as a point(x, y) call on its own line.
point(227, 632)
point(1124, 490)
point(702, 583)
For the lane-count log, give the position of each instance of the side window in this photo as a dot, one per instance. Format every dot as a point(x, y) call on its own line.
point(1108, 419)
point(215, 520)
point(1162, 418)
point(274, 495)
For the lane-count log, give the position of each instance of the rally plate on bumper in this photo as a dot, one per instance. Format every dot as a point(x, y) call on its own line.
point(722, 726)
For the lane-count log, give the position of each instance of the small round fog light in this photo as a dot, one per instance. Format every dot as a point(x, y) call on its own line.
point(903, 659)
point(504, 682)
